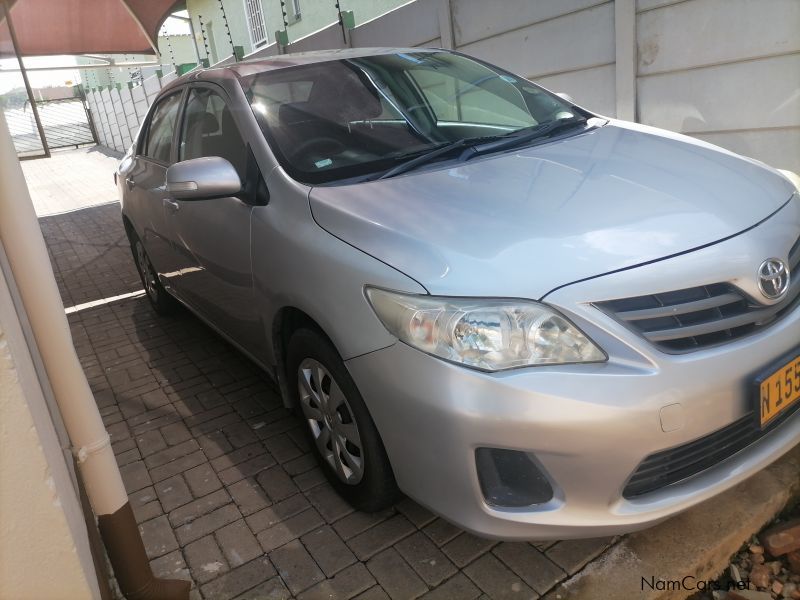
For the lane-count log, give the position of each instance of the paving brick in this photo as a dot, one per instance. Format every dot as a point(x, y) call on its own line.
point(145, 504)
point(572, 555)
point(199, 418)
point(205, 559)
point(282, 448)
point(175, 433)
point(353, 580)
point(296, 567)
point(466, 547)
point(288, 530)
point(277, 483)
point(395, 576)
point(158, 537)
point(329, 504)
point(530, 564)
point(155, 399)
point(356, 522)
point(239, 433)
point(207, 523)
point(168, 454)
point(125, 458)
point(376, 592)
point(425, 558)
point(118, 431)
point(214, 444)
point(328, 549)
point(457, 587)
point(173, 492)
point(278, 512)
point(170, 566)
point(418, 515)
point(135, 476)
point(441, 531)
point(238, 544)
point(383, 535)
point(180, 465)
point(202, 480)
point(271, 589)
point(249, 496)
point(231, 457)
point(239, 580)
point(197, 508)
point(123, 446)
point(154, 419)
point(299, 465)
point(217, 423)
point(309, 479)
point(249, 468)
point(496, 580)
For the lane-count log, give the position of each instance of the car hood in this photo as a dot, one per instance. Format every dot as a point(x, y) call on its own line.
point(523, 223)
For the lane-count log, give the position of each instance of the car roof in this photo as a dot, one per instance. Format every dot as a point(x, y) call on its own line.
point(282, 61)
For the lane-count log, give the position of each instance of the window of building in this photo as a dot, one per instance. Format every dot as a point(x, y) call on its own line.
point(255, 22)
point(296, 9)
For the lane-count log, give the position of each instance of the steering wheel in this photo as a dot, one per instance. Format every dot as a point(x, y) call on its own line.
point(324, 146)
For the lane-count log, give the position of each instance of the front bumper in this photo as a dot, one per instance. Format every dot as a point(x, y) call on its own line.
point(589, 426)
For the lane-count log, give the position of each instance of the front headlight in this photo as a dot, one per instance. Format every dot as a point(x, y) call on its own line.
point(485, 334)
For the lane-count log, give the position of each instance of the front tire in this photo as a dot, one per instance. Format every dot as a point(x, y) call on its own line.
point(343, 435)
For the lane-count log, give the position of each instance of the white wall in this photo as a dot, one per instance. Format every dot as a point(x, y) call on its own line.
point(726, 71)
point(44, 547)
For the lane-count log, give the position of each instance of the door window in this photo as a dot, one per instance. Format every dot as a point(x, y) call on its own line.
point(209, 130)
point(159, 134)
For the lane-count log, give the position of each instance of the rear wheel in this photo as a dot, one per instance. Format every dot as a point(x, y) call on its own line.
point(343, 434)
point(159, 298)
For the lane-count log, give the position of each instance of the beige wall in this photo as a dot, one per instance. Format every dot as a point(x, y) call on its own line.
point(44, 551)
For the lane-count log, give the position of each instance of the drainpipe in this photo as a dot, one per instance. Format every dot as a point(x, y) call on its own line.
point(30, 265)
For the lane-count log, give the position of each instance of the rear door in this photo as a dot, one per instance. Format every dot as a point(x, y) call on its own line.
point(212, 236)
point(146, 184)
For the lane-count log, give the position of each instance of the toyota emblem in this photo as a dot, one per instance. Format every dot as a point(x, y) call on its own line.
point(773, 278)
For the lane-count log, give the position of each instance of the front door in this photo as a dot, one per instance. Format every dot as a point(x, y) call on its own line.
point(146, 182)
point(212, 237)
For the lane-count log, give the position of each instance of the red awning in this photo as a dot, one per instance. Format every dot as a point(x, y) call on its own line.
point(45, 27)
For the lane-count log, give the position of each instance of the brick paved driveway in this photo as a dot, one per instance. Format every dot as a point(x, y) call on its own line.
point(220, 475)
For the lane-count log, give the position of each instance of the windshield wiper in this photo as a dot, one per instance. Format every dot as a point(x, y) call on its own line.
point(426, 157)
point(520, 137)
point(483, 145)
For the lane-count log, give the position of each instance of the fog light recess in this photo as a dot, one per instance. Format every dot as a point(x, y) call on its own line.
point(511, 478)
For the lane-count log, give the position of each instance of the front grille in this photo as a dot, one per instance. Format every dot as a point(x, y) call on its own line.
point(699, 317)
point(670, 466)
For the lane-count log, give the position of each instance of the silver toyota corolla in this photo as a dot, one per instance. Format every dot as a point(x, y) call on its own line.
point(535, 321)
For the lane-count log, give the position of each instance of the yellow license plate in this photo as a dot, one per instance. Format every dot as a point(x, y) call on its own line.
point(780, 390)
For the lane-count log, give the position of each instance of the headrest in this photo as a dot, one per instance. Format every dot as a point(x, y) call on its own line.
point(294, 112)
point(210, 123)
point(355, 99)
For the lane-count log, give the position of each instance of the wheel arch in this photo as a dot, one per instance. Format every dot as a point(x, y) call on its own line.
point(285, 323)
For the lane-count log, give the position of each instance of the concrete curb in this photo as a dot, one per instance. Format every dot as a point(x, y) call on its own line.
point(697, 543)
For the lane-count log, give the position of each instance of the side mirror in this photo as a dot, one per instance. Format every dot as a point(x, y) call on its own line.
point(203, 178)
point(565, 96)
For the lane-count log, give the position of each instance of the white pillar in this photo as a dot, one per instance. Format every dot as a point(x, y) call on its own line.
point(625, 41)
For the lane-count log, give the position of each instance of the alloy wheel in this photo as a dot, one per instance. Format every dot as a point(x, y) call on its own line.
point(149, 276)
point(331, 420)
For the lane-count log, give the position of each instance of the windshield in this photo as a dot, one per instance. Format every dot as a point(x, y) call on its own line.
point(352, 117)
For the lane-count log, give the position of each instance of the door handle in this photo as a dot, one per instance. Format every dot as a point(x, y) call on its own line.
point(130, 183)
point(172, 205)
